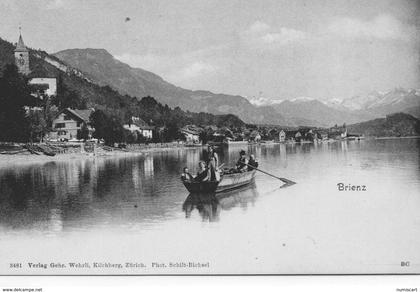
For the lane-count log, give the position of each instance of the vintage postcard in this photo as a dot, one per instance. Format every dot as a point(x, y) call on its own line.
point(209, 137)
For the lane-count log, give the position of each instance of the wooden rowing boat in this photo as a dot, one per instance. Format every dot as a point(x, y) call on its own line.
point(46, 150)
point(227, 182)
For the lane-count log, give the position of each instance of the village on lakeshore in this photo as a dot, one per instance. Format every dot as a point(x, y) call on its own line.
point(51, 118)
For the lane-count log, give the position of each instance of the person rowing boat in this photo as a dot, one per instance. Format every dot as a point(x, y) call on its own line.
point(252, 163)
point(242, 164)
point(240, 176)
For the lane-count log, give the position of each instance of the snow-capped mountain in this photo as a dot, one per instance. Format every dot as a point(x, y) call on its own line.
point(396, 99)
point(311, 111)
point(359, 102)
point(335, 103)
point(302, 99)
point(262, 101)
point(373, 100)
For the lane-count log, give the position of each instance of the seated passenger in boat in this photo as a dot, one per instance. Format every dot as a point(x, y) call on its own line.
point(253, 163)
point(203, 172)
point(241, 165)
point(186, 175)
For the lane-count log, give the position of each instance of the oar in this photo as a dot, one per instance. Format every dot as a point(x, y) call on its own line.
point(285, 180)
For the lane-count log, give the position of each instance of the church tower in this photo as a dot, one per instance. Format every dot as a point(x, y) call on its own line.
point(22, 57)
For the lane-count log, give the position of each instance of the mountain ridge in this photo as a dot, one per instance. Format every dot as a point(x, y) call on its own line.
point(351, 110)
point(104, 69)
point(317, 113)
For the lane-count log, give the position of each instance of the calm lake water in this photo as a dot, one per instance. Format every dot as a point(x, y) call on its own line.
point(134, 209)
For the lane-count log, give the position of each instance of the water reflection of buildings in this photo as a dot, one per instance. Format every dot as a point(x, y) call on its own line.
point(283, 154)
point(135, 176)
point(45, 193)
point(193, 158)
point(148, 166)
point(344, 146)
point(138, 174)
point(78, 176)
point(209, 206)
point(270, 150)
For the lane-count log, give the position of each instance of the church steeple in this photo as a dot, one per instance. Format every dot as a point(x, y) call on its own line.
point(20, 47)
point(22, 56)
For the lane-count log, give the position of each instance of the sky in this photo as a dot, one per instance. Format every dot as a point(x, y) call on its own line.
point(266, 49)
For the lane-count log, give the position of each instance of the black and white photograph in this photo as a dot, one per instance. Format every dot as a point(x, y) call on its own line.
point(210, 137)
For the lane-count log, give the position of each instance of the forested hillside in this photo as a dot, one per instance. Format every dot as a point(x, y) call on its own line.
point(396, 125)
point(77, 91)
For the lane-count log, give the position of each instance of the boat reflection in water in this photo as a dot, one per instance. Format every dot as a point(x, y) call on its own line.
point(210, 205)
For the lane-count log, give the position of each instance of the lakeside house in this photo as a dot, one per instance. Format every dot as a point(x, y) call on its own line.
point(310, 135)
point(298, 136)
point(255, 136)
point(282, 136)
point(191, 135)
point(335, 134)
point(136, 124)
point(69, 122)
point(322, 135)
point(48, 85)
point(211, 128)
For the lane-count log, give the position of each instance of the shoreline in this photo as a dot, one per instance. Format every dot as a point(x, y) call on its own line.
point(404, 137)
point(12, 160)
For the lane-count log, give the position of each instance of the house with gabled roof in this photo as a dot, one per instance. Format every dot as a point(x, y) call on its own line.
point(136, 124)
point(255, 136)
point(282, 136)
point(69, 122)
point(191, 134)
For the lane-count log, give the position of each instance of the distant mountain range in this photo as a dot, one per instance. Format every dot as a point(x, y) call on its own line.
point(309, 111)
point(102, 68)
point(315, 113)
point(383, 103)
